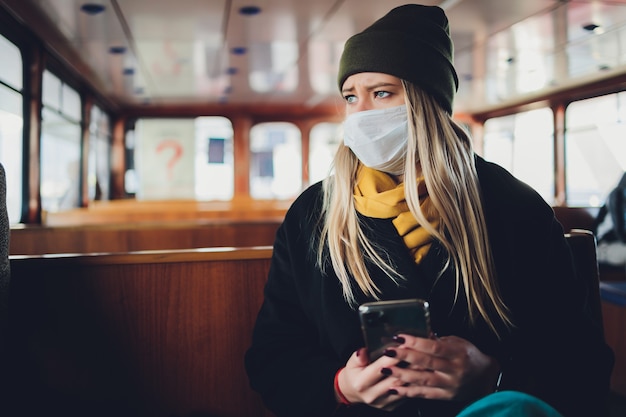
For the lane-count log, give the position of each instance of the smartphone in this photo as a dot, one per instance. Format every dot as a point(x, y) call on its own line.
point(382, 320)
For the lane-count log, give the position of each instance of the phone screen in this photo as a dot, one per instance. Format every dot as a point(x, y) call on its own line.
point(382, 320)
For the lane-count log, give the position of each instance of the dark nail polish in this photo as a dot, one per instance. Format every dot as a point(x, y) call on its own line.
point(358, 352)
point(392, 392)
point(403, 364)
point(386, 371)
point(390, 352)
point(399, 339)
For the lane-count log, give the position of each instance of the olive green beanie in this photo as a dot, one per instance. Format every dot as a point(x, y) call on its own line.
point(411, 42)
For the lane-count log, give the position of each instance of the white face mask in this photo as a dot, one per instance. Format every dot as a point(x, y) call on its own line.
point(378, 138)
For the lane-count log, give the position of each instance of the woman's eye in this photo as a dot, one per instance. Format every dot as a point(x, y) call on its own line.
point(350, 99)
point(381, 94)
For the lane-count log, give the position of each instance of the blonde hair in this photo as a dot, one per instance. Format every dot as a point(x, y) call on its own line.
point(445, 154)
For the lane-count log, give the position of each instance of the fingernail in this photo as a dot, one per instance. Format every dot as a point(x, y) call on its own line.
point(403, 364)
point(386, 371)
point(358, 352)
point(390, 352)
point(392, 392)
point(398, 339)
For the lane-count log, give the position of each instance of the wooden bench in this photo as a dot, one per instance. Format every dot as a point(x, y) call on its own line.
point(130, 237)
point(583, 218)
point(155, 333)
point(134, 211)
point(575, 217)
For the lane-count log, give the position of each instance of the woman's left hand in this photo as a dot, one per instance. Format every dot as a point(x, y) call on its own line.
point(446, 368)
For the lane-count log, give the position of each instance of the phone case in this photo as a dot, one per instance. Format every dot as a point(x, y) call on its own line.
point(382, 320)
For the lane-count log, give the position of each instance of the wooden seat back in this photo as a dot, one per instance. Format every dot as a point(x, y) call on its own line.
point(582, 244)
point(156, 333)
point(131, 237)
point(575, 217)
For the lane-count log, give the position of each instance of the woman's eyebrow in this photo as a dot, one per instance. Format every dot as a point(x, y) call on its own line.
point(379, 85)
point(347, 90)
point(371, 87)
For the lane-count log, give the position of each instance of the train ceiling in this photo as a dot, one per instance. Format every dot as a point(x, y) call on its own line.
point(285, 52)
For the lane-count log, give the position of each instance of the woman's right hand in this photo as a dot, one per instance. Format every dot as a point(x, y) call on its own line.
point(364, 382)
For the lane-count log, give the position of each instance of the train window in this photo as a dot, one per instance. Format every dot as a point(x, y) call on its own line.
point(595, 148)
point(51, 90)
point(60, 145)
point(275, 161)
point(182, 159)
point(164, 157)
point(324, 140)
point(11, 125)
point(99, 165)
point(214, 158)
point(519, 58)
point(130, 176)
point(523, 144)
point(11, 68)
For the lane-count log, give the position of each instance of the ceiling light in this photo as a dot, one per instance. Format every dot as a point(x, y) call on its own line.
point(249, 10)
point(117, 49)
point(591, 27)
point(92, 8)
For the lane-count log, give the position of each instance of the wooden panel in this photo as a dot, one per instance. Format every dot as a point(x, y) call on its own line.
point(34, 240)
point(133, 211)
point(575, 217)
point(151, 334)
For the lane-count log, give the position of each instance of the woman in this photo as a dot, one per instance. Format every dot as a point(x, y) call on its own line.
point(412, 212)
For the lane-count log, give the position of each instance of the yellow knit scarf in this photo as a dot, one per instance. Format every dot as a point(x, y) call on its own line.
point(378, 195)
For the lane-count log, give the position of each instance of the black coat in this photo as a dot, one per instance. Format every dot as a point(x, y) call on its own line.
point(305, 330)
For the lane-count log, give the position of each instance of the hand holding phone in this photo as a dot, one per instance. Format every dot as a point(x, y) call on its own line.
point(382, 320)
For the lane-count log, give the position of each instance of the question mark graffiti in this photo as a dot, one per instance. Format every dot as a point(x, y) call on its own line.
point(178, 151)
